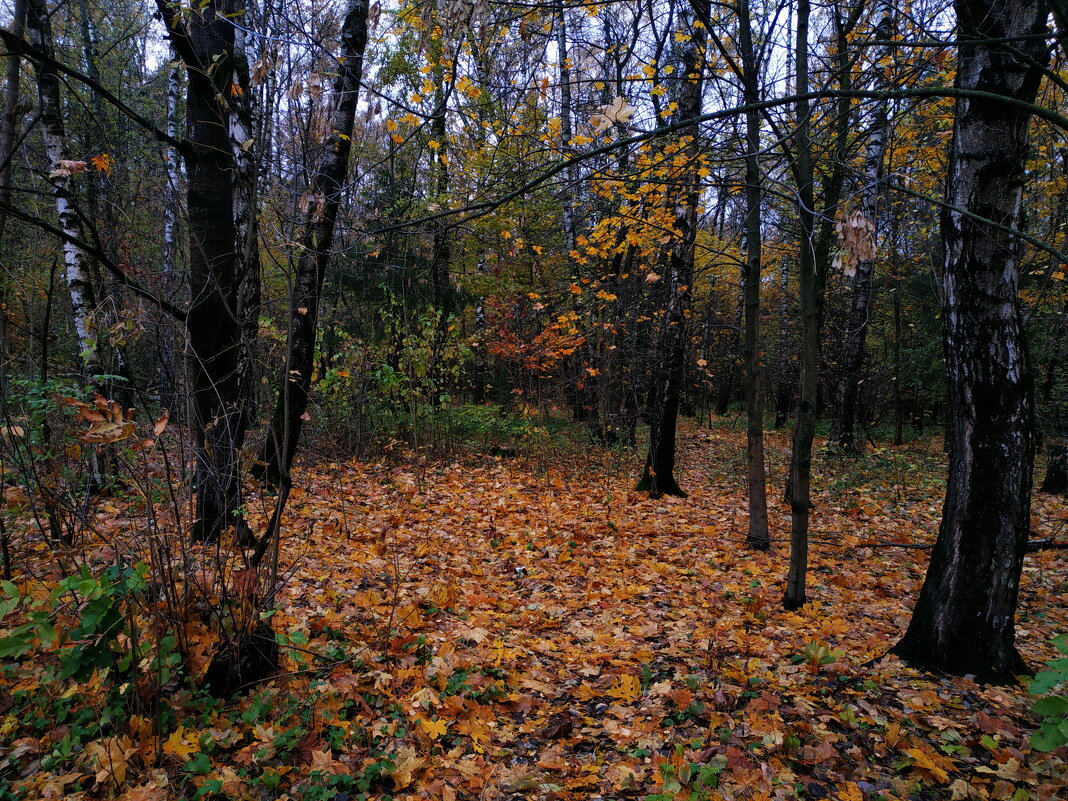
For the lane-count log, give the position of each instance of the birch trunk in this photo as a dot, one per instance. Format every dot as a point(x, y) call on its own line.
point(77, 267)
point(963, 622)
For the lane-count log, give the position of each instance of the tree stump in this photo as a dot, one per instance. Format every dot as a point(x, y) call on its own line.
point(1056, 481)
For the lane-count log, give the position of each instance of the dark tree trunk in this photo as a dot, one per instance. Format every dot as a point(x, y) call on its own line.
point(1056, 481)
point(964, 619)
point(659, 474)
point(213, 326)
point(11, 116)
point(8, 124)
point(804, 429)
point(851, 359)
point(783, 393)
point(756, 479)
point(730, 363)
point(899, 403)
point(327, 186)
point(813, 263)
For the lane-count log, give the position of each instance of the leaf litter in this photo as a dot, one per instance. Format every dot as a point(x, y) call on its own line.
point(499, 628)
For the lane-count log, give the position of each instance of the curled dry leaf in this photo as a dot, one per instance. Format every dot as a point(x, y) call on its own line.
point(64, 168)
point(617, 112)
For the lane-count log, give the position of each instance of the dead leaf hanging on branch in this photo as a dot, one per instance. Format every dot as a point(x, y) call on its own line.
point(108, 422)
point(64, 168)
point(856, 238)
point(617, 112)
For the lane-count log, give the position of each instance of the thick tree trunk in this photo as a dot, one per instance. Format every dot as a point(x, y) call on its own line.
point(659, 474)
point(326, 189)
point(964, 619)
point(756, 478)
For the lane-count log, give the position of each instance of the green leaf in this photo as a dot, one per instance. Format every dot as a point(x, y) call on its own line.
point(199, 764)
point(1048, 738)
point(1045, 681)
point(1051, 705)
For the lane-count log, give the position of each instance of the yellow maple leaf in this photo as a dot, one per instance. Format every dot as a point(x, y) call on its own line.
point(405, 763)
point(181, 744)
point(434, 728)
point(103, 163)
point(112, 756)
point(628, 689)
point(925, 763)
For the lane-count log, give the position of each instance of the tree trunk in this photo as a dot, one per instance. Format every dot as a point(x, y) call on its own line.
point(851, 360)
point(570, 223)
point(8, 124)
point(10, 119)
point(783, 393)
point(1056, 481)
point(658, 477)
point(170, 282)
point(899, 403)
point(756, 479)
point(726, 385)
point(327, 186)
point(77, 265)
point(813, 263)
point(804, 429)
point(245, 144)
point(205, 41)
point(964, 619)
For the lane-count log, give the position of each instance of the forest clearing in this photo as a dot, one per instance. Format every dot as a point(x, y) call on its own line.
point(531, 627)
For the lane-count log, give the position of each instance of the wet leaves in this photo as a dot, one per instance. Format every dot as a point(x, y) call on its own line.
point(531, 627)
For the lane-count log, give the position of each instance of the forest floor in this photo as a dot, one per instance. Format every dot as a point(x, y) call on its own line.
point(482, 627)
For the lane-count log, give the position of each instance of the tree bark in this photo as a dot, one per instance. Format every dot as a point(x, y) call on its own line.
point(658, 477)
point(9, 122)
point(851, 360)
point(813, 263)
point(804, 429)
point(76, 263)
point(963, 622)
point(783, 393)
point(213, 326)
point(1056, 480)
point(170, 282)
point(326, 190)
point(756, 478)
